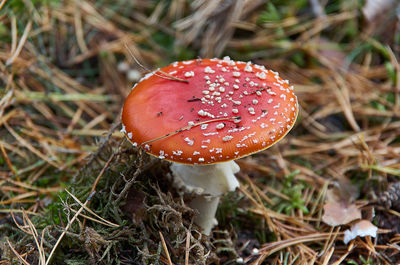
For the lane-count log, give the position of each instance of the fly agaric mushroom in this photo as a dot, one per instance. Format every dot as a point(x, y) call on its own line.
point(201, 115)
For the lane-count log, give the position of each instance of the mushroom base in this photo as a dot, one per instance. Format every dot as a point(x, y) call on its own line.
point(207, 207)
point(209, 183)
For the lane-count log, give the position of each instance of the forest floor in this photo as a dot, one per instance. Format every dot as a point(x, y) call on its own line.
point(74, 191)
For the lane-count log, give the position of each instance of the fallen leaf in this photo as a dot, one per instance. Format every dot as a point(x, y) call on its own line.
point(340, 213)
point(342, 190)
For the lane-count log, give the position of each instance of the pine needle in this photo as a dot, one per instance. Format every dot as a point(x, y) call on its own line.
point(68, 226)
point(165, 249)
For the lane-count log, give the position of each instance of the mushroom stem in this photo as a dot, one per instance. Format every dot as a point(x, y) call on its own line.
point(209, 183)
point(207, 207)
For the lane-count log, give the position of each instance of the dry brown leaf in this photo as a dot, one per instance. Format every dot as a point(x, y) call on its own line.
point(342, 190)
point(340, 213)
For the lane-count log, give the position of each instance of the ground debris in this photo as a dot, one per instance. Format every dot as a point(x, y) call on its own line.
point(391, 197)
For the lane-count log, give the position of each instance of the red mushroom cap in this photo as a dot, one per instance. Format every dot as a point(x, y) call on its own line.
point(225, 110)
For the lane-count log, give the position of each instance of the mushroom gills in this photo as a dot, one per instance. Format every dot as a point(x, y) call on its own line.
point(209, 182)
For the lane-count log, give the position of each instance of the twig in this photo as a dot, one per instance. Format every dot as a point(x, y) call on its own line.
point(30, 187)
point(21, 43)
point(101, 173)
point(187, 247)
point(93, 219)
point(68, 226)
point(2, 3)
point(84, 206)
point(103, 142)
point(79, 29)
point(17, 211)
point(129, 184)
point(3, 151)
point(166, 75)
point(165, 249)
point(42, 255)
point(97, 181)
point(17, 254)
point(34, 150)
